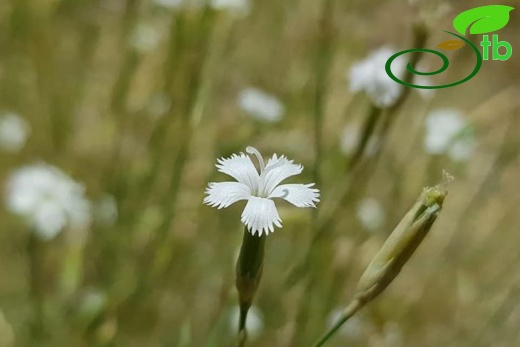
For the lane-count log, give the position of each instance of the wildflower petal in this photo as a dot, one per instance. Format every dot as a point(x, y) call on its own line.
point(300, 195)
point(224, 194)
point(259, 216)
point(241, 168)
point(277, 170)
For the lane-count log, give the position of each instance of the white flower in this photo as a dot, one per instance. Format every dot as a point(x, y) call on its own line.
point(92, 302)
point(260, 105)
point(14, 131)
point(370, 76)
point(254, 321)
point(241, 7)
point(238, 7)
point(448, 132)
point(260, 213)
point(169, 3)
point(144, 38)
point(462, 147)
point(48, 199)
point(370, 213)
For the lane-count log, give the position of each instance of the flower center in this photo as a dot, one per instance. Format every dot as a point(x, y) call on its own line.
point(264, 188)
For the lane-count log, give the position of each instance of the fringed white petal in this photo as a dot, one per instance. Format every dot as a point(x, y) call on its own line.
point(260, 215)
point(300, 195)
point(241, 168)
point(277, 170)
point(224, 194)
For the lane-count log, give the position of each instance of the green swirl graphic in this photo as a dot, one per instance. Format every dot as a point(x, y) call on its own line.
point(445, 64)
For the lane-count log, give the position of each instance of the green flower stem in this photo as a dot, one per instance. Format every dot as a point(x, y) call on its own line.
point(374, 114)
point(248, 274)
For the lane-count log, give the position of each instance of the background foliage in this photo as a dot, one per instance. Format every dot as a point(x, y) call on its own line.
point(137, 100)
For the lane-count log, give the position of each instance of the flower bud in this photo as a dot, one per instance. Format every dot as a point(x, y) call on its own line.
point(402, 242)
point(249, 272)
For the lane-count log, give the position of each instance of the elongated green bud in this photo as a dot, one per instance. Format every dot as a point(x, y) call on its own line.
point(402, 242)
point(249, 272)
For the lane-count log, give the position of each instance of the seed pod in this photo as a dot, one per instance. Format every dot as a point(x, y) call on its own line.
point(402, 242)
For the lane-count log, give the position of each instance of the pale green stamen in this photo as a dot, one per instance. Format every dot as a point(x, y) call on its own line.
point(254, 151)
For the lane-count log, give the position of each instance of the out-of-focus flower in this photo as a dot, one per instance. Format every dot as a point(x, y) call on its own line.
point(237, 7)
point(370, 76)
point(105, 210)
point(448, 132)
point(260, 105)
point(14, 131)
point(259, 189)
point(48, 199)
point(254, 321)
point(91, 304)
point(169, 3)
point(241, 7)
point(370, 213)
point(144, 38)
point(463, 146)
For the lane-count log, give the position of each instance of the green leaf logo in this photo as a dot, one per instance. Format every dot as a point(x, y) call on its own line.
point(482, 20)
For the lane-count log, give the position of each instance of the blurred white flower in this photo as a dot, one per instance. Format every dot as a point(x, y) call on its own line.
point(169, 3)
point(448, 132)
point(48, 199)
point(105, 210)
point(370, 213)
point(14, 131)
point(370, 76)
point(352, 329)
point(91, 304)
point(144, 38)
point(240, 7)
point(350, 138)
point(254, 321)
point(259, 189)
point(260, 105)
point(463, 146)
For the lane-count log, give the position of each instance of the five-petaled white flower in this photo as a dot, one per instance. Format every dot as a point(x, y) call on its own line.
point(260, 214)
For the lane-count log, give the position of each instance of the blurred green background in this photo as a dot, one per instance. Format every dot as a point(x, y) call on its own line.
point(136, 99)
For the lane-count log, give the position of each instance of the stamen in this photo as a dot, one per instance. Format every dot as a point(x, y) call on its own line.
point(254, 151)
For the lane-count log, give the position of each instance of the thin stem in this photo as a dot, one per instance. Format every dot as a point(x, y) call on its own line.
point(368, 129)
point(349, 311)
